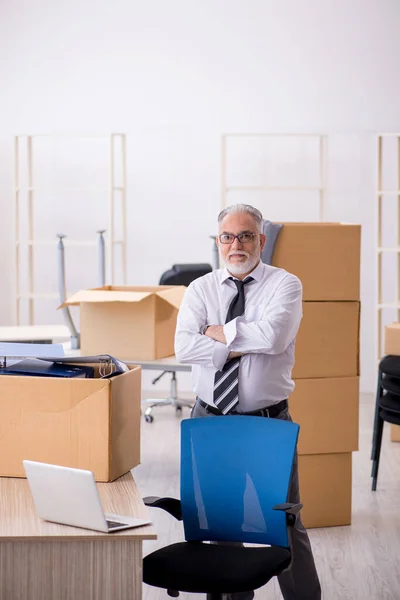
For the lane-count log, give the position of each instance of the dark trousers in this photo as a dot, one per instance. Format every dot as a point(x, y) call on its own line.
point(300, 581)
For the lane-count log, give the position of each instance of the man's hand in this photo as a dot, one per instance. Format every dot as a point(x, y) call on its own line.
point(234, 355)
point(216, 332)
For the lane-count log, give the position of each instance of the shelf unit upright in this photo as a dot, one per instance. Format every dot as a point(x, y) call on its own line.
point(381, 250)
point(114, 190)
point(321, 188)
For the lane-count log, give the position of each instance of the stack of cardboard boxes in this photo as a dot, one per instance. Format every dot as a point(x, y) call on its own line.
point(326, 257)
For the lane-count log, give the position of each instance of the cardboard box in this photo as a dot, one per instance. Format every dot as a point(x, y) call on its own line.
point(327, 412)
point(84, 423)
point(325, 257)
point(392, 339)
point(327, 344)
point(128, 322)
point(325, 489)
point(395, 433)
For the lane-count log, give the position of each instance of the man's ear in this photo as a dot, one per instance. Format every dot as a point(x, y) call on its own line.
point(263, 239)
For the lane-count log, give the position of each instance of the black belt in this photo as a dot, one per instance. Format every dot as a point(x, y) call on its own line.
point(270, 411)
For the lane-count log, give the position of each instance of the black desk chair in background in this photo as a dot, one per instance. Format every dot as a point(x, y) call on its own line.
point(387, 407)
point(182, 274)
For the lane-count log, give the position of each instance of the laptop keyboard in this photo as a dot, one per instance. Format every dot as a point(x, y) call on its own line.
point(113, 524)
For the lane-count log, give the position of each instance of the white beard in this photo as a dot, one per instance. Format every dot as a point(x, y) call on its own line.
point(243, 267)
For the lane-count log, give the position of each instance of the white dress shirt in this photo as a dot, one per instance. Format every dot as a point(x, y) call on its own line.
point(265, 334)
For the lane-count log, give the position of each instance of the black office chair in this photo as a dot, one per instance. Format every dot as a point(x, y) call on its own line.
point(387, 407)
point(182, 274)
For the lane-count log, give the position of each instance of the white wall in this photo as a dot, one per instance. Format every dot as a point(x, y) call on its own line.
point(174, 76)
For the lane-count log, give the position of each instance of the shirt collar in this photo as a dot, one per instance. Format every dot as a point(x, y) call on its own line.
point(256, 274)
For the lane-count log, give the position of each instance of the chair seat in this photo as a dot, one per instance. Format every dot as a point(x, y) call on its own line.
point(390, 402)
point(208, 568)
point(390, 417)
point(390, 365)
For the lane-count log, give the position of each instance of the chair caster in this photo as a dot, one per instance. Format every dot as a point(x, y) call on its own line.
point(148, 418)
point(178, 410)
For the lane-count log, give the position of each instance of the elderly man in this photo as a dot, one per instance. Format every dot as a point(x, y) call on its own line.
point(237, 327)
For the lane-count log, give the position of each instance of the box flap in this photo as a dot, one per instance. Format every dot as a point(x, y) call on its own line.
point(103, 295)
point(173, 295)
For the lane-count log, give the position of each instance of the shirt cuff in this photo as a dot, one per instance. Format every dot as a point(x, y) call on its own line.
point(220, 355)
point(230, 331)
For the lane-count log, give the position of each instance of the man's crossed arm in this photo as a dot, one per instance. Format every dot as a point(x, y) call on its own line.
point(270, 334)
point(216, 332)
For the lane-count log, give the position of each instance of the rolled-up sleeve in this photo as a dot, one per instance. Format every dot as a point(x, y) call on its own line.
point(276, 328)
point(191, 347)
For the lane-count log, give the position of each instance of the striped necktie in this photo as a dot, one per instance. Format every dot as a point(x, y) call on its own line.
point(226, 382)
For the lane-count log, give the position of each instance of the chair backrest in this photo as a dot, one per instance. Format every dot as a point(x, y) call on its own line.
point(234, 469)
point(184, 274)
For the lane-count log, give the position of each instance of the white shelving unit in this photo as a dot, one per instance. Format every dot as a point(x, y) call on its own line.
point(381, 250)
point(116, 201)
point(320, 188)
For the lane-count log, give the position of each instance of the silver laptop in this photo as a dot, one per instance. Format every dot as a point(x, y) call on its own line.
point(70, 497)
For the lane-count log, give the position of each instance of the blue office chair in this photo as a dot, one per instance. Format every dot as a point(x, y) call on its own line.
point(235, 474)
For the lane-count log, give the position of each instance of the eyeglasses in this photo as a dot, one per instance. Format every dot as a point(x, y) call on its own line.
point(244, 238)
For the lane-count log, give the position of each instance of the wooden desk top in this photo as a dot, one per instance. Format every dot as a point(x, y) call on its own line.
point(19, 521)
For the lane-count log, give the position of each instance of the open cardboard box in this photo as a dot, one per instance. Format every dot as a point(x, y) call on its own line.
point(89, 424)
point(128, 322)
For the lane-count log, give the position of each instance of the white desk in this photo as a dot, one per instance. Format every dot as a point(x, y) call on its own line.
point(169, 363)
point(35, 333)
point(45, 561)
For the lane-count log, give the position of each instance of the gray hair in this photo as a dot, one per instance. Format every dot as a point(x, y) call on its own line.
point(242, 208)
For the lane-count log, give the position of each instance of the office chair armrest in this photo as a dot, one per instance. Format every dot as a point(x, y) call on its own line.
point(289, 508)
point(292, 510)
point(170, 505)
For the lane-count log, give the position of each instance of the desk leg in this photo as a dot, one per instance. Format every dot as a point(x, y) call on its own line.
point(71, 570)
